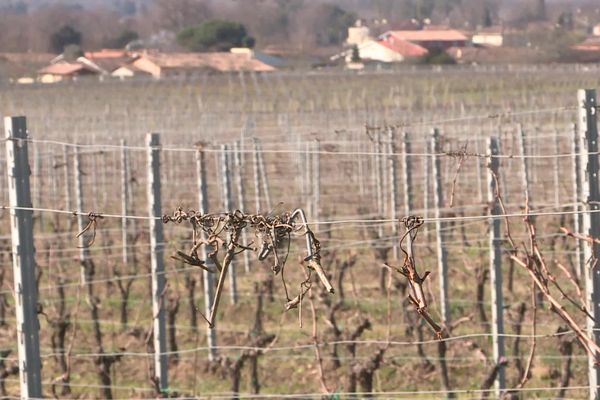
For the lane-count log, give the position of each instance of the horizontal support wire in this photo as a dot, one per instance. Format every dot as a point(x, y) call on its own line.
point(311, 346)
point(331, 222)
point(310, 151)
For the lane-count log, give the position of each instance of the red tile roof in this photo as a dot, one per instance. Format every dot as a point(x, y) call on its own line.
point(218, 61)
point(62, 69)
point(105, 53)
point(403, 47)
point(590, 44)
point(449, 35)
point(112, 63)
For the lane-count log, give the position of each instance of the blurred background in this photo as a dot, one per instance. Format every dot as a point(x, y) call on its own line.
point(294, 33)
point(360, 112)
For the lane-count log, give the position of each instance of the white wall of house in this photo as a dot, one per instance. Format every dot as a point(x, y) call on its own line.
point(488, 39)
point(371, 50)
point(50, 78)
point(123, 72)
point(25, 80)
point(357, 35)
point(596, 30)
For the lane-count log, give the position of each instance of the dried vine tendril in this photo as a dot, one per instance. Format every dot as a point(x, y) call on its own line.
point(409, 271)
point(219, 233)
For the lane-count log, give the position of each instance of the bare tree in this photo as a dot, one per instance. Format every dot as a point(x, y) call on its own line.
point(174, 15)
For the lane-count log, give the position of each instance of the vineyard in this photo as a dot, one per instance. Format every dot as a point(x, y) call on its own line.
point(416, 234)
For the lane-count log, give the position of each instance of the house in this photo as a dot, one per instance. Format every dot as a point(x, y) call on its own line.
point(65, 71)
point(101, 63)
point(404, 47)
point(382, 51)
point(430, 39)
point(469, 55)
point(269, 59)
point(591, 44)
point(128, 71)
point(25, 80)
point(358, 34)
point(126, 64)
point(62, 69)
point(111, 60)
point(109, 65)
point(587, 51)
point(492, 36)
point(374, 50)
point(397, 46)
point(106, 53)
point(161, 65)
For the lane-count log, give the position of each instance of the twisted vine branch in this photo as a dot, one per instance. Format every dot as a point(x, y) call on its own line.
point(273, 234)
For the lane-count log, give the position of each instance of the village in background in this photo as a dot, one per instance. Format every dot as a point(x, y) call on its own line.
point(50, 41)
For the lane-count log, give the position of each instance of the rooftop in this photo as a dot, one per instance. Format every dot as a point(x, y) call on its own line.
point(403, 47)
point(219, 61)
point(105, 53)
point(449, 35)
point(590, 44)
point(63, 68)
point(112, 63)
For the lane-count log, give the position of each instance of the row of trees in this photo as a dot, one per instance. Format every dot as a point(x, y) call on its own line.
point(215, 35)
point(197, 25)
point(216, 25)
point(212, 35)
